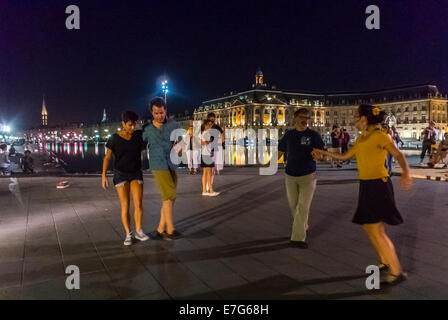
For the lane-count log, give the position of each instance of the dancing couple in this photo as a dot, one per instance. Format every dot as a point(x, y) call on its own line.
point(126, 147)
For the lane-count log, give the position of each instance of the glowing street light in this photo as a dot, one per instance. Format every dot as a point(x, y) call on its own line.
point(165, 88)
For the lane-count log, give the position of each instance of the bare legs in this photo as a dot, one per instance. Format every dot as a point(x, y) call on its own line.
point(383, 246)
point(137, 194)
point(207, 180)
point(124, 192)
point(166, 217)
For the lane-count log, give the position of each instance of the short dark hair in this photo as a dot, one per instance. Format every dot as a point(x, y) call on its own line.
point(335, 126)
point(211, 115)
point(301, 111)
point(27, 152)
point(367, 110)
point(158, 102)
point(3, 146)
point(129, 116)
point(207, 121)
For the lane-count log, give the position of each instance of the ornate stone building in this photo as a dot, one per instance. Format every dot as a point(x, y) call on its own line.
point(408, 108)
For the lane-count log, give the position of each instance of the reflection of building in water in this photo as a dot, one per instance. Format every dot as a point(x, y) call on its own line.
point(411, 108)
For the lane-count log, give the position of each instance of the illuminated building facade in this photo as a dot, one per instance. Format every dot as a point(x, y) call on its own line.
point(408, 108)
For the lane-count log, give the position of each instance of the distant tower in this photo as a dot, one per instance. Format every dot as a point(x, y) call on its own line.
point(44, 113)
point(259, 78)
point(104, 116)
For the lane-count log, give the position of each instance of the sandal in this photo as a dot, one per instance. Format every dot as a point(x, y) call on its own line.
point(393, 280)
point(383, 267)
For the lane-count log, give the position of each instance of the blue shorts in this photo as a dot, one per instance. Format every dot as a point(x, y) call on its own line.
point(121, 178)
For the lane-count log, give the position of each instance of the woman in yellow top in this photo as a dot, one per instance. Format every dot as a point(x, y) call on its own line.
point(376, 204)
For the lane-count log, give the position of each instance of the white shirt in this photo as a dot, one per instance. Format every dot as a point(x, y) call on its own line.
point(206, 149)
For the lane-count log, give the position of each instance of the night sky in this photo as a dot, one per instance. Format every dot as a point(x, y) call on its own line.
point(207, 48)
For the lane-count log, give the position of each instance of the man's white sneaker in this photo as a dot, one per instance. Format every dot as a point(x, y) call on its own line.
point(213, 194)
point(128, 240)
point(141, 236)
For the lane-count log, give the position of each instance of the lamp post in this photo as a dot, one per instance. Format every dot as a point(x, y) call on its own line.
point(165, 88)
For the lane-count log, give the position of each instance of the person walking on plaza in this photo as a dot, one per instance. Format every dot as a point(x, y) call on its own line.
point(345, 139)
point(429, 138)
point(387, 130)
point(376, 204)
point(157, 136)
point(126, 146)
point(207, 163)
point(397, 137)
point(300, 176)
point(219, 152)
point(192, 154)
point(335, 144)
point(5, 163)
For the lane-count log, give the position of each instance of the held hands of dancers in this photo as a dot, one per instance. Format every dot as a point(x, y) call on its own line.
point(319, 154)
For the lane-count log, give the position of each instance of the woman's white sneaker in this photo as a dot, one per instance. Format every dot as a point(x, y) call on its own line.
point(141, 236)
point(213, 194)
point(128, 240)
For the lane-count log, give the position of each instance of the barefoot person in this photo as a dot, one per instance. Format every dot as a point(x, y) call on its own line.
point(300, 176)
point(157, 134)
point(207, 163)
point(376, 204)
point(126, 146)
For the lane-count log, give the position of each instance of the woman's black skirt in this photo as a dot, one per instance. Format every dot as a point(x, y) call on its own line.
point(207, 161)
point(377, 203)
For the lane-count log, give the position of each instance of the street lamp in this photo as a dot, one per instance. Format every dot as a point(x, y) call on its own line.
point(165, 88)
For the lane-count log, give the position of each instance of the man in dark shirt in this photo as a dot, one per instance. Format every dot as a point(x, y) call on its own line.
point(429, 138)
point(300, 177)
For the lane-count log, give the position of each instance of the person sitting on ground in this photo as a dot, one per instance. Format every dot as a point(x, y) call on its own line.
point(441, 154)
point(12, 151)
point(27, 162)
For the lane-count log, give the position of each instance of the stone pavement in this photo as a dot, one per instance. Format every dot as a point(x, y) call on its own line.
point(235, 245)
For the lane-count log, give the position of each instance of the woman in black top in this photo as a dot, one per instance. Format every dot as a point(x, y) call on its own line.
point(126, 146)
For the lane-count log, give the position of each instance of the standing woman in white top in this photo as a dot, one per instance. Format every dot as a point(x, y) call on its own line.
point(207, 162)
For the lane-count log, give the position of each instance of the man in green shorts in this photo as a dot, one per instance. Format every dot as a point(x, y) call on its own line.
point(157, 135)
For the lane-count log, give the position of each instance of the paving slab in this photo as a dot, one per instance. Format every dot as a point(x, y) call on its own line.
point(235, 246)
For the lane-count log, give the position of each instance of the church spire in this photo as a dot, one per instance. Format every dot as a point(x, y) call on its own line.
point(104, 115)
point(44, 113)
